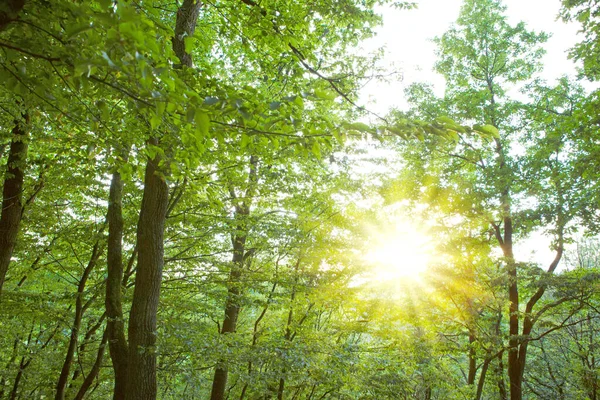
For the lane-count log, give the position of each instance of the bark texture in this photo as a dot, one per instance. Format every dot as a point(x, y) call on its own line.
point(232, 304)
point(89, 379)
point(141, 355)
point(185, 25)
point(12, 195)
point(141, 360)
point(9, 11)
point(115, 325)
point(79, 310)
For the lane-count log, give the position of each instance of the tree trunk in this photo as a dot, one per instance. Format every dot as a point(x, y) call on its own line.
point(472, 360)
point(232, 306)
point(15, 389)
point(289, 335)
point(79, 309)
point(514, 365)
point(255, 335)
point(528, 319)
point(500, 374)
point(22, 365)
point(9, 365)
point(288, 331)
point(86, 341)
point(9, 11)
point(141, 357)
point(141, 361)
point(89, 379)
point(115, 327)
point(12, 195)
point(232, 310)
point(481, 381)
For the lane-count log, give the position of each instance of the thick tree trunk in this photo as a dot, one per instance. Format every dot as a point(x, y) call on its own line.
point(141, 361)
point(141, 355)
point(12, 195)
point(115, 326)
point(505, 241)
point(9, 11)
point(79, 310)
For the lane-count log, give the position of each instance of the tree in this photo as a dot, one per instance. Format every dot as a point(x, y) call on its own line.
point(519, 181)
point(585, 13)
point(112, 85)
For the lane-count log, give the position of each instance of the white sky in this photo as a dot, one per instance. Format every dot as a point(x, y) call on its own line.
point(406, 37)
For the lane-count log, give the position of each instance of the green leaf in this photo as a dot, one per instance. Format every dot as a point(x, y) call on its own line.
point(325, 94)
point(190, 115)
point(360, 126)
point(155, 121)
point(75, 30)
point(189, 43)
point(202, 122)
point(488, 130)
point(245, 141)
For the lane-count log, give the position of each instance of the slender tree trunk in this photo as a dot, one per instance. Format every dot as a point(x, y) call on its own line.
point(9, 365)
point(514, 366)
point(472, 360)
point(428, 393)
point(280, 388)
point(289, 335)
point(590, 375)
point(25, 362)
point(528, 318)
point(232, 306)
point(89, 379)
point(15, 389)
point(141, 361)
point(79, 310)
point(500, 375)
point(81, 350)
point(232, 310)
point(288, 331)
point(481, 381)
point(12, 194)
point(255, 335)
point(22, 365)
point(115, 325)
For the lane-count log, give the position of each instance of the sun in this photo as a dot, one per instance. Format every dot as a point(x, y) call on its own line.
point(402, 251)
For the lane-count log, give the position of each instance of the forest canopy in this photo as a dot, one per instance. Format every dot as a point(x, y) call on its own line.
point(198, 203)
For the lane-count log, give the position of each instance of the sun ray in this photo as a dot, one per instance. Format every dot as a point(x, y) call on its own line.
point(402, 250)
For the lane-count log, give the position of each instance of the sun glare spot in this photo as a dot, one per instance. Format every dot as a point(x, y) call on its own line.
point(404, 251)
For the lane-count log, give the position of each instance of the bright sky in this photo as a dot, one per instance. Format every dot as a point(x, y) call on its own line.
point(405, 35)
